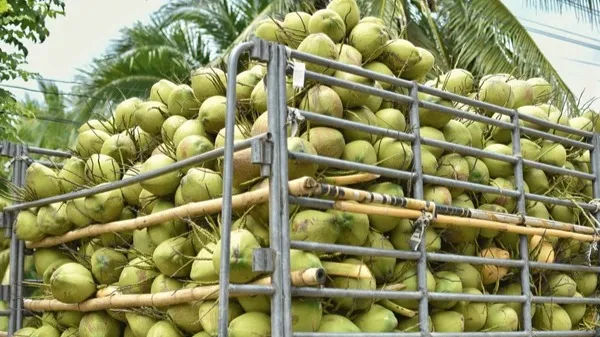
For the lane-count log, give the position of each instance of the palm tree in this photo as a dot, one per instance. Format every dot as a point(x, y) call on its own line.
point(482, 36)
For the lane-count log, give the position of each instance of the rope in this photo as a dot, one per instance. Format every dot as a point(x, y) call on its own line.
point(596, 204)
point(419, 226)
point(294, 118)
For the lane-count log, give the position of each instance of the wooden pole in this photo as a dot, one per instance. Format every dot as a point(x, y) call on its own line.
point(351, 179)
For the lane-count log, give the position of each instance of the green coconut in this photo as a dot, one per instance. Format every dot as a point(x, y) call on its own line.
point(42, 181)
point(104, 207)
point(147, 201)
point(376, 319)
point(144, 141)
point(529, 149)
point(242, 246)
point(429, 163)
point(566, 214)
point(575, 311)
point(52, 268)
point(457, 133)
point(382, 267)
point(555, 116)
point(542, 90)
point(212, 113)
point(537, 180)
point(327, 142)
point(469, 275)
point(72, 174)
point(366, 282)
point(369, 39)
point(89, 142)
point(172, 257)
point(586, 282)
point(201, 184)
point(401, 239)
point(150, 116)
point(95, 124)
point(100, 168)
point(398, 55)
point(161, 91)
point(295, 28)
point(194, 145)
point(448, 321)
point(185, 316)
point(498, 168)
point(208, 82)
point(391, 118)
point(258, 97)
point(306, 314)
point(432, 117)
point(435, 134)
point(257, 227)
point(238, 134)
point(360, 151)
point(438, 194)
point(123, 115)
point(522, 93)
point(209, 315)
point(44, 257)
point(183, 102)
point(346, 9)
point(46, 331)
point(319, 44)
point(187, 128)
point(580, 123)
point(131, 193)
point(297, 168)
point(374, 102)
point(353, 227)
point(533, 111)
point(70, 332)
point(352, 98)
point(137, 276)
point(457, 81)
point(72, 283)
point(312, 225)
point(500, 134)
point(168, 229)
point(561, 285)
point(163, 283)
point(139, 324)
point(447, 282)
point(509, 203)
point(383, 223)
point(406, 273)
point(478, 171)
point(495, 91)
point(453, 166)
point(551, 316)
point(323, 100)
point(120, 147)
point(328, 22)
point(107, 265)
point(163, 329)
point(26, 227)
point(515, 290)
point(162, 185)
point(52, 219)
point(501, 317)
point(381, 68)
point(260, 303)
point(475, 314)
point(490, 233)
point(361, 115)
point(337, 323)
point(245, 83)
point(394, 154)
point(301, 260)
point(250, 324)
point(422, 67)
point(411, 324)
point(477, 137)
point(270, 30)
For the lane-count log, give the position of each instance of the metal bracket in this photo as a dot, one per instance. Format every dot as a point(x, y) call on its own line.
point(262, 154)
point(263, 260)
point(260, 51)
point(5, 292)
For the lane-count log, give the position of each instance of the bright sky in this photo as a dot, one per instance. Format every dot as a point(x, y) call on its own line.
point(89, 25)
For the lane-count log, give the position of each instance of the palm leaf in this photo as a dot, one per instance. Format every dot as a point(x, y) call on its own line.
point(585, 10)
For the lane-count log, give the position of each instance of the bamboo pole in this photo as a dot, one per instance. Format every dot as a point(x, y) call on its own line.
point(297, 186)
point(453, 221)
point(398, 309)
point(115, 300)
point(351, 179)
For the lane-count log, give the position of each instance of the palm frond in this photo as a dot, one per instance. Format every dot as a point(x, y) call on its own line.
point(390, 11)
point(586, 10)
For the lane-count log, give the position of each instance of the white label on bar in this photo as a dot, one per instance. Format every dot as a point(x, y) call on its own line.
point(298, 78)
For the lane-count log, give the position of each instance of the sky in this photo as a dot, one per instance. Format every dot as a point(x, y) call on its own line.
point(89, 25)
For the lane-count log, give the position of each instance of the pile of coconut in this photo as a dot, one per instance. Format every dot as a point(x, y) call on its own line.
point(178, 121)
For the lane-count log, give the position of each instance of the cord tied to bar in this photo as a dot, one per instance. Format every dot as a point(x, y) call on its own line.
point(419, 226)
point(596, 204)
point(294, 118)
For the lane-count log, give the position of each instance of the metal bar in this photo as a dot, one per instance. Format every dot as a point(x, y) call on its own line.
point(566, 300)
point(476, 298)
point(346, 124)
point(557, 201)
point(467, 150)
point(575, 333)
point(558, 170)
point(227, 153)
point(349, 165)
point(595, 168)
point(439, 257)
point(554, 126)
point(216, 153)
point(563, 267)
point(354, 250)
point(311, 202)
point(555, 138)
point(49, 152)
point(429, 179)
point(250, 289)
point(355, 293)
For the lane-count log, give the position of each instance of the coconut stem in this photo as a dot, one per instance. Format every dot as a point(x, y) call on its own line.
point(400, 310)
point(394, 287)
point(351, 179)
point(347, 270)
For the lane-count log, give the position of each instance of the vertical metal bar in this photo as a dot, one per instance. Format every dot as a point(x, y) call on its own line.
point(595, 167)
point(417, 187)
point(228, 189)
point(522, 209)
point(21, 167)
point(285, 229)
point(16, 257)
point(275, 185)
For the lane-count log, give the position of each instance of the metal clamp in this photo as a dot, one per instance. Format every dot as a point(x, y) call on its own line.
point(5, 292)
point(260, 51)
point(262, 154)
point(419, 226)
point(263, 260)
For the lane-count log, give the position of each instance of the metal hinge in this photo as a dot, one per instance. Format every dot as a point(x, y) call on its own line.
point(260, 51)
point(263, 260)
point(5, 292)
point(262, 154)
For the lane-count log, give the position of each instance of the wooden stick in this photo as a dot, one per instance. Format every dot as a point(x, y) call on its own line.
point(242, 200)
point(453, 221)
point(398, 308)
point(393, 286)
point(347, 269)
point(351, 179)
point(115, 300)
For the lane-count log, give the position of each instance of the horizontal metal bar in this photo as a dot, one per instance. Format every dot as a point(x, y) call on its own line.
point(465, 100)
point(558, 139)
point(429, 179)
point(467, 150)
point(558, 170)
point(311, 202)
point(466, 115)
point(353, 250)
point(4, 312)
point(476, 298)
point(563, 267)
point(355, 293)
point(250, 289)
point(346, 124)
point(574, 333)
point(557, 201)
point(453, 258)
point(555, 126)
point(566, 300)
point(356, 334)
point(135, 179)
point(349, 165)
point(48, 163)
point(48, 152)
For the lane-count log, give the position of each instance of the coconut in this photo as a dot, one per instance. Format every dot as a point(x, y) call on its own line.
point(72, 174)
point(144, 141)
point(429, 163)
point(319, 44)
point(69, 319)
point(369, 39)
point(208, 82)
point(139, 324)
point(163, 329)
point(295, 28)
point(383, 223)
point(500, 134)
point(328, 22)
point(100, 125)
point(250, 324)
point(470, 277)
point(453, 166)
point(201, 184)
point(190, 127)
point(107, 265)
point(242, 246)
point(529, 149)
point(374, 102)
point(361, 115)
point(536, 112)
point(258, 97)
point(522, 93)
point(566, 214)
point(171, 257)
point(495, 91)
point(568, 249)
point(52, 268)
point(366, 282)
point(245, 83)
point(182, 101)
point(306, 314)
point(322, 99)
point(238, 134)
point(353, 227)
point(360, 151)
point(490, 273)
point(457, 133)
point(542, 90)
point(209, 315)
point(161, 91)
point(168, 128)
point(26, 227)
point(536, 180)
point(391, 118)
point(69, 332)
point(301, 260)
point(575, 311)
point(382, 267)
point(435, 134)
point(212, 113)
point(422, 67)
point(476, 130)
point(381, 68)
point(259, 303)
point(72, 283)
point(507, 202)
point(131, 193)
point(120, 147)
point(491, 233)
point(406, 273)
point(116, 239)
point(446, 282)
point(538, 210)
point(352, 98)
point(552, 317)
point(580, 123)
point(401, 239)
point(100, 168)
point(457, 81)
point(185, 316)
point(448, 321)
point(168, 229)
point(89, 142)
point(162, 185)
point(515, 290)
point(258, 228)
point(501, 317)
point(123, 115)
point(312, 225)
point(561, 285)
point(194, 145)
point(411, 324)
point(137, 276)
point(270, 30)
point(297, 168)
point(104, 207)
point(432, 117)
point(478, 171)
point(163, 283)
point(147, 201)
point(586, 282)
point(45, 331)
point(44, 257)
point(438, 194)
point(555, 116)
point(150, 116)
point(52, 219)
point(327, 142)
point(399, 54)
point(394, 154)
point(498, 168)
point(376, 319)
point(42, 181)
point(346, 9)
